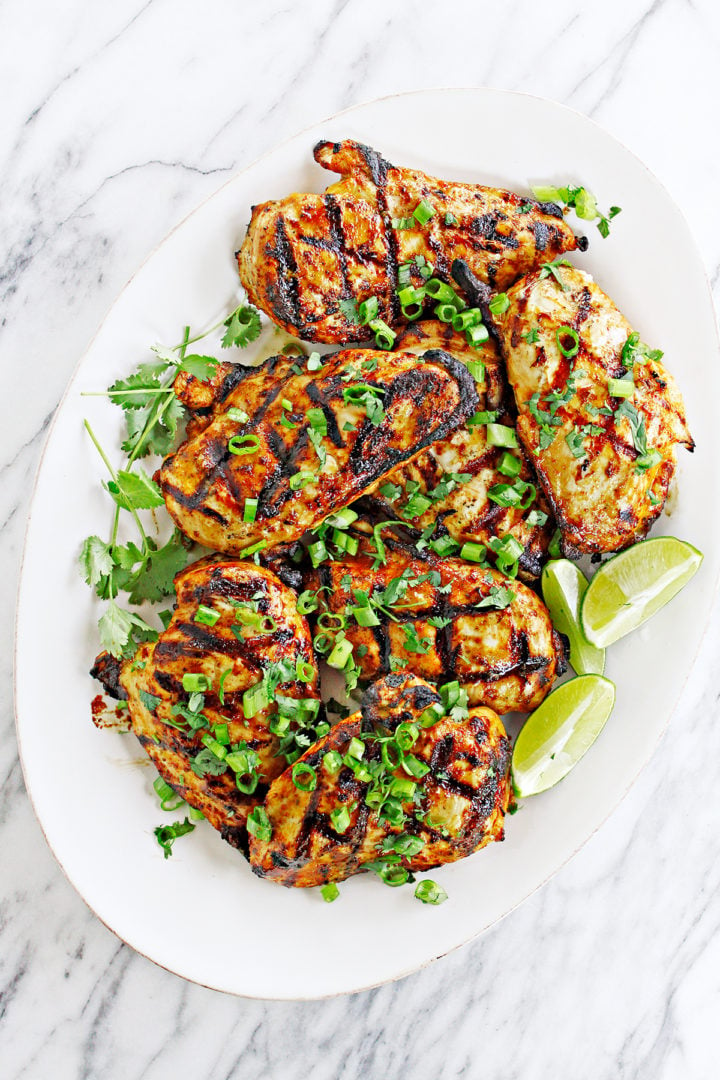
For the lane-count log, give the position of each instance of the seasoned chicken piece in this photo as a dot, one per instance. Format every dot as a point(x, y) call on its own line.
point(284, 450)
point(444, 619)
point(367, 817)
point(235, 627)
point(307, 254)
point(598, 413)
point(458, 482)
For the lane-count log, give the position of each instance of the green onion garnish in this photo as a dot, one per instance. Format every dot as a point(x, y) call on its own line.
point(414, 766)
point(501, 435)
point(243, 444)
point(568, 341)
point(345, 542)
point(444, 545)
point(206, 616)
point(477, 335)
point(342, 518)
point(332, 762)
point(318, 553)
point(509, 465)
point(258, 824)
point(445, 312)
point(260, 545)
point(648, 460)
point(365, 616)
point(431, 715)
point(250, 510)
point(554, 545)
point(255, 700)
point(340, 819)
point(535, 518)
point(301, 479)
point(623, 388)
point(317, 420)
point(340, 654)
point(444, 293)
point(213, 746)
point(499, 303)
point(304, 670)
point(476, 369)
point(473, 552)
point(195, 683)
point(423, 212)
point(402, 788)
point(239, 415)
point(304, 776)
point(368, 310)
point(329, 892)
point(463, 320)
point(406, 735)
point(384, 334)
point(222, 734)
point(356, 748)
point(429, 892)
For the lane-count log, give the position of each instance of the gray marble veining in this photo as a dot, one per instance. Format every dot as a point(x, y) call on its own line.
point(612, 970)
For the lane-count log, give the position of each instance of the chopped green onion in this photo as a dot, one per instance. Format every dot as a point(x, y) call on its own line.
point(329, 892)
point(332, 762)
point(476, 369)
point(410, 295)
point(414, 766)
point(166, 835)
point(368, 310)
point(304, 670)
point(535, 518)
point(195, 814)
point(340, 819)
point(622, 388)
point(356, 748)
point(431, 715)
point(423, 212)
point(239, 415)
point(384, 334)
point(444, 294)
point(648, 460)
point(429, 892)
point(317, 420)
point(477, 335)
point(501, 435)
point(213, 746)
point(255, 700)
point(444, 546)
point(250, 510)
point(401, 788)
point(450, 219)
point(342, 518)
point(307, 601)
point(445, 312)
point(554, 545)
point(301, 479)
point(483, 417)
point(463, 320)
point(473, 552)
point(499, 303)
point(286, 404)
point(304, 776)
point(508, 548)
point(345, 542)
point(416, 506)
point(365, 616)
point(163, 789)
point(314, 362)
point(243, 444)
point(329, 620)
point(406, 735)
point(222, 734)
point(408, 845)
point(391, 754)
point(403, 223)
point(509, 465)
point(568, 341)
point(340, 654)
point(317, 552)
point(453, 694)
point(206, 616)
point(260, 545)
point(194, 683)
point(258, 824)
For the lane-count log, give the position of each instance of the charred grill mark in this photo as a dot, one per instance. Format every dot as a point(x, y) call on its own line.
point(584, 307)
point(378, 170)
point(338, 242)
point(106, 670)
point(541, 233)
point(550, 208)
point(382, 637)
point(485, 226)
point(283, 287)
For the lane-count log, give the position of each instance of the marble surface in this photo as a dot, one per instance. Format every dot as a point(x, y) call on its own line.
point(116, 121)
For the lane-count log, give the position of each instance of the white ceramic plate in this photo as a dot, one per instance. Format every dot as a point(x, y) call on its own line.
point(202, 913)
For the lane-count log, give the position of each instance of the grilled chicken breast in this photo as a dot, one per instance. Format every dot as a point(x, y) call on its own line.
point(305, 255)
point(459, 803)
point(604, 452)
point(446, 620)
point(258, 637)
point(311, 444)
point(464, 466)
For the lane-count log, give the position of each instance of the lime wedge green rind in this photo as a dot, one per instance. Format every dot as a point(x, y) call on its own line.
point(557, 735)
point(633, 586)
point(563, 588)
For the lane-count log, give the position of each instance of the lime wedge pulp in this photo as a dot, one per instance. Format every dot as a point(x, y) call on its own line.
point(559, 732)
point(634, 585)
point(563, 587)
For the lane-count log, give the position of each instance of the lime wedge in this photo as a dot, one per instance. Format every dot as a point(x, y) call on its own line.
point(563, 587)
point(635, 584)
point(559, 732)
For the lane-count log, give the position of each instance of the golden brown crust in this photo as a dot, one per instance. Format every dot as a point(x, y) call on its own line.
point(459, 807)
point(306, 254)
point(157, 670)
point(205, 485)
point(601, 498)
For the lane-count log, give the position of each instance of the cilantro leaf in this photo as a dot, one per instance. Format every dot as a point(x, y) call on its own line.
point(120, 630)
point(135, 490)
point(161, 422)
point(96, 561)
point(137, 391)
point(574, 440)
point(156, 577)
point(552, 268)
point(200, 367)
point(207, 764)
point(243, 326)
point(498, 598)
point(350, 311)
point(150, 701)
point(637, 425)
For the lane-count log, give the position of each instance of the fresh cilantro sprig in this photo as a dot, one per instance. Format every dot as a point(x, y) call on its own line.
point(582, 201)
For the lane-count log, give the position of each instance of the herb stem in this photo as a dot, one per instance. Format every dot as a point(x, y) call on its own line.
point(114, 476)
